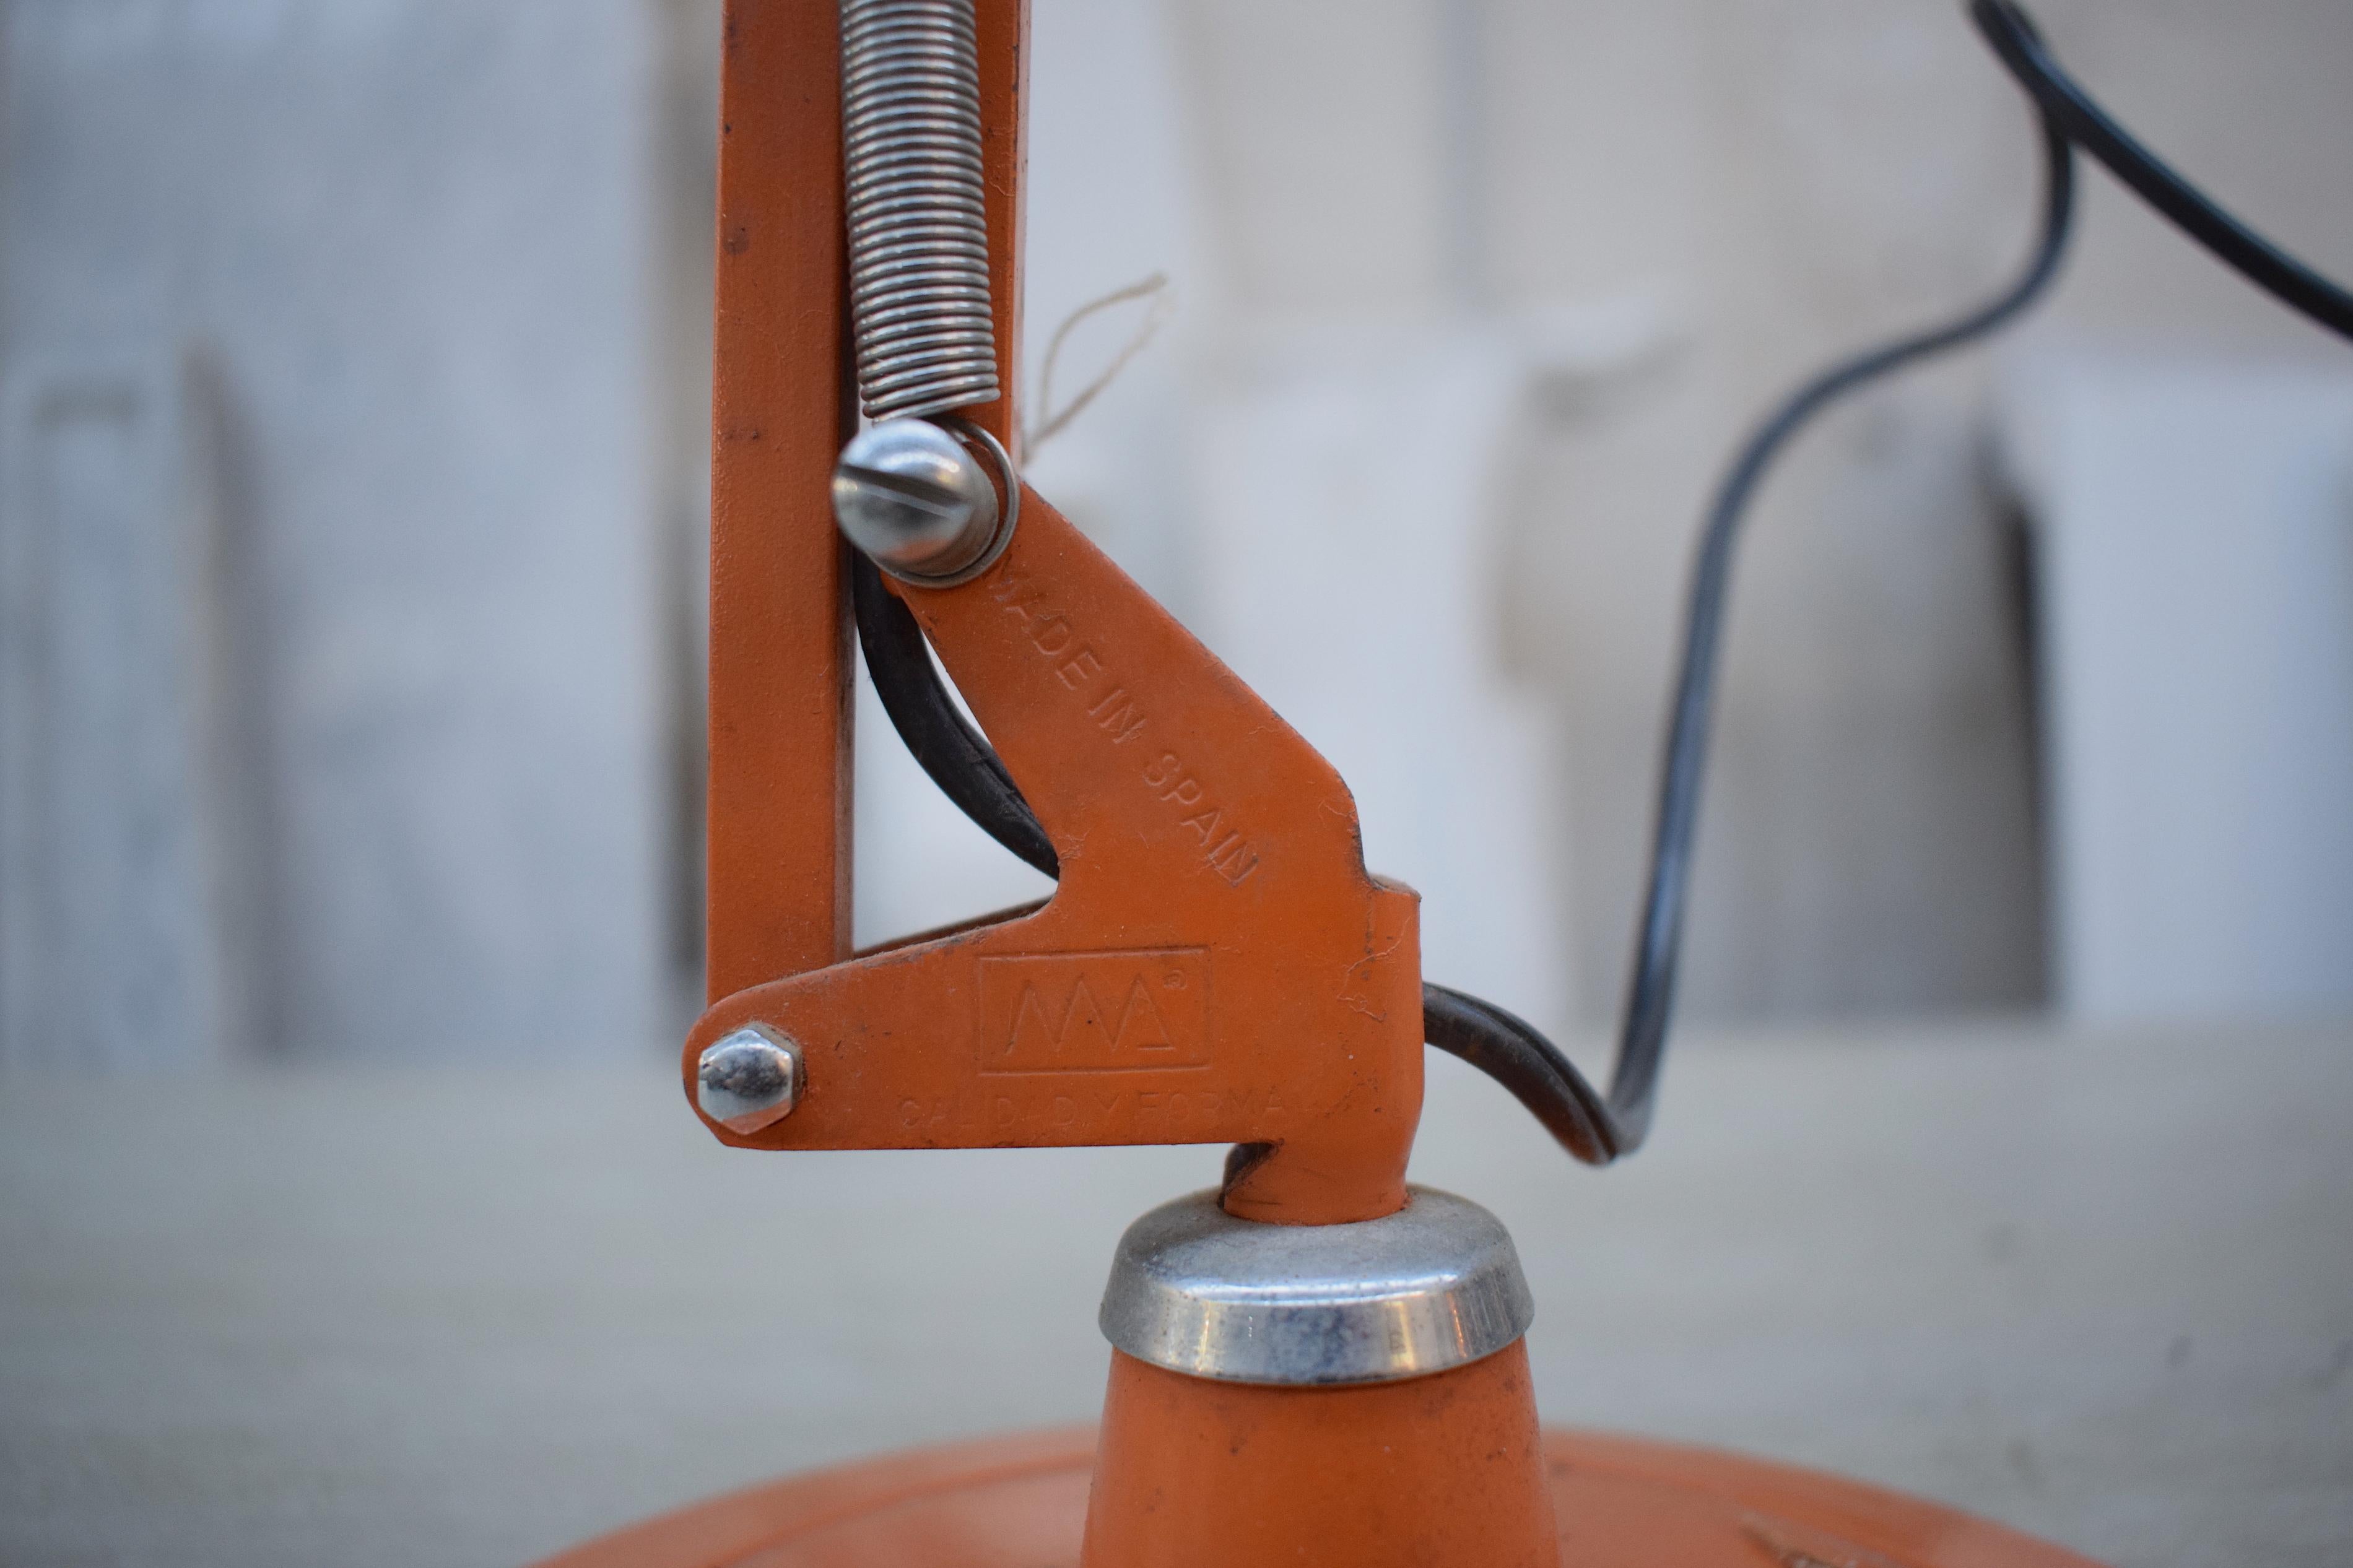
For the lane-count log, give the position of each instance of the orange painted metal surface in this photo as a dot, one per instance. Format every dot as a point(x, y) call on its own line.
point(1020, 1502)
point(1440, 1470)
point(1002, 30)
point(1216, 965)
point(778, 802)
point(778, 857)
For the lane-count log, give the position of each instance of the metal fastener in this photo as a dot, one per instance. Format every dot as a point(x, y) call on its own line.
point(1434, 1285)
point(749, 1079)
point(920, 503)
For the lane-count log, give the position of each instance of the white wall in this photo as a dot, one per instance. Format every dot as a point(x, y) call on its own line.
point(1801, 179)
point(2194, 516)
point(1675, 211)
point(387, 267)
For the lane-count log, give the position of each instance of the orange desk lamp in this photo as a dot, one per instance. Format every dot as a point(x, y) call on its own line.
point(1312, 1363)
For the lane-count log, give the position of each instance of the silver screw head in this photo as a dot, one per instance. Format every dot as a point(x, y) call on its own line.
point(912, 497)
point(749, 1079)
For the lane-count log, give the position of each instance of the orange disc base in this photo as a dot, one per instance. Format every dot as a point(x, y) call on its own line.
point(1021, 1502)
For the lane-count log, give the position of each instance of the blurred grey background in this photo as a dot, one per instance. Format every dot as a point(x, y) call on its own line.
point(354, 366)
point(355, 361)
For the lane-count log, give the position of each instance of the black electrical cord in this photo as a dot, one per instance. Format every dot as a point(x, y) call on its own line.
point(2013, 38)
point(957, 756)
point(1650, 991)
point(1594, 1127)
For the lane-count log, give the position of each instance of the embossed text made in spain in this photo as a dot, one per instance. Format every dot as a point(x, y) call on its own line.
point(1223, 846)
point(1076, 665)
point(1112, 708)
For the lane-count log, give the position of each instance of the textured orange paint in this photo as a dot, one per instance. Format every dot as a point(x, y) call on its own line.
point(1215, 967)
point(1433, 1470)
point(778, 859)
point(1020, 1502)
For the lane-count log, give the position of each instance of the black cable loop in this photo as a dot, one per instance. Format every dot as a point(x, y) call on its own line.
point(941, 738)
point(2020, 46)
point(1598, 1128)
point(1651, 990)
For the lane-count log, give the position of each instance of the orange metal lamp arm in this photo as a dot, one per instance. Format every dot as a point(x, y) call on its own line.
point(1216, 965)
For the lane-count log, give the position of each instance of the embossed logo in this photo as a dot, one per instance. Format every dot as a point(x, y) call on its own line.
point(1142, 1011)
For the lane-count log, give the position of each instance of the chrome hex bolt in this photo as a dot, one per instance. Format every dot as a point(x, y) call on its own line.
point(749, 1079)
point(912, 497)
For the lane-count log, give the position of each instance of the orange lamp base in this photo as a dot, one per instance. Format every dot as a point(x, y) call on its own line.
point(1021, 1502)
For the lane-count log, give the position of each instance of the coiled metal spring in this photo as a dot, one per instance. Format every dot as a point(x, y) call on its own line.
point(926, 337)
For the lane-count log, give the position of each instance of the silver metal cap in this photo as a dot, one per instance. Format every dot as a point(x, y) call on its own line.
point(911, 495)
point(1434, 1285)
point(748, 1079)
